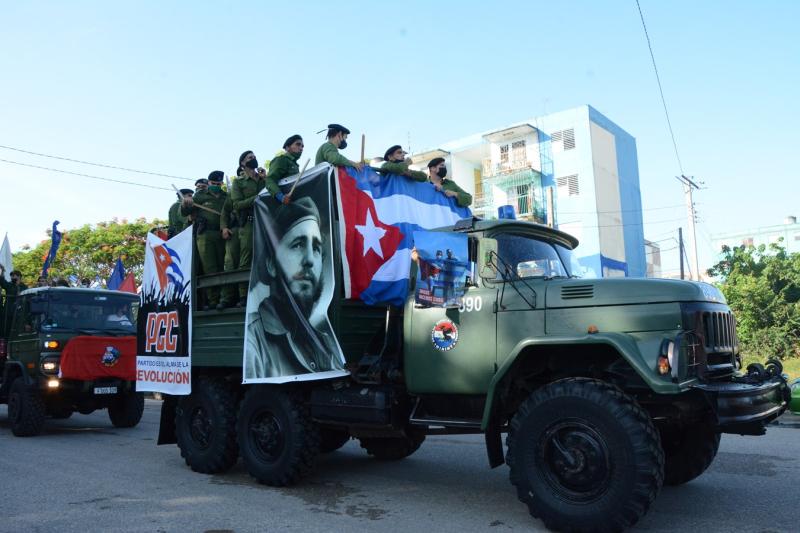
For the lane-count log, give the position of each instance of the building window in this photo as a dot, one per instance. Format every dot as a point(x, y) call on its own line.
point(748, 241)
point(563, 140)
point(797, 236)
point(504, 154)
point(568, 185)
point(518, 155)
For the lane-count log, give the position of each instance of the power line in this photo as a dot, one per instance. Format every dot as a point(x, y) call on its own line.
point(87, 175)
point(103, 165)
point(660, 90)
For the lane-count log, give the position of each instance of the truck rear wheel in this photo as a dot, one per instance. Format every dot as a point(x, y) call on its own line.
point(278, 440)
point(584, 456)
point(26, 409)
point(393, 448)
point(331, 439)
point(205, 426)
point(688, 451)
point(127, 410)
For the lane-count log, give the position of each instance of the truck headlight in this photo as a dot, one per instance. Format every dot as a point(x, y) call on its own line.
point(49, 366)
point(667, 359)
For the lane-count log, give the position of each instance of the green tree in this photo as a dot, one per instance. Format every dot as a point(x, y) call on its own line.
point(762, 286)
point(90, 251)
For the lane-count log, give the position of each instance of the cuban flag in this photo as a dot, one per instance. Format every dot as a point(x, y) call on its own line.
point(378, 216)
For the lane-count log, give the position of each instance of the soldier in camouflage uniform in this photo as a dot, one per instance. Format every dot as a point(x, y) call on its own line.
point(283, 166)
point(210, 244)
point(246, 187)
point(176, 222)
point(230, 234)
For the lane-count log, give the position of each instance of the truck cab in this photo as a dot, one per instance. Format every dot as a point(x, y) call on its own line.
point(69, 350)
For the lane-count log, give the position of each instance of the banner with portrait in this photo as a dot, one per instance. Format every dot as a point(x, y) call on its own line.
point(442, 260)
point(164, 325)
point(288, 336)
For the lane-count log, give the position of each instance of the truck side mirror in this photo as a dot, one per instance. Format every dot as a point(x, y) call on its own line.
point(486, 264)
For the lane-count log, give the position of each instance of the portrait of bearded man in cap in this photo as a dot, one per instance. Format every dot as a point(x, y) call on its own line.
point(288, 335)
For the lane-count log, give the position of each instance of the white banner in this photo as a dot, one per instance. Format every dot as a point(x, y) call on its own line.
point(164, 328)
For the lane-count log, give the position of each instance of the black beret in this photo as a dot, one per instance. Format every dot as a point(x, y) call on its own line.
point(287, 215)
point(391, 150)
point(187, 191)
point(435, 161)
point(291, 140)
point(244, 154)
point(216, 175)
point(333, 129)
point(201, 181)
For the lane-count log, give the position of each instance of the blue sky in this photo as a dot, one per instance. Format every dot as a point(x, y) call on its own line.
point(183, 88)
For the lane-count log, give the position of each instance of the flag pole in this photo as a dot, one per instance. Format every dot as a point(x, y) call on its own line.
point(204, 208)
point(298, 177)
point(363, 139)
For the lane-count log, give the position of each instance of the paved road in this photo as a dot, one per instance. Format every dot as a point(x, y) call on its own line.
point(84, 475)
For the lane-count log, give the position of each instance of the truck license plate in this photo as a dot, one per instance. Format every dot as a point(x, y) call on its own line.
point(105, 390)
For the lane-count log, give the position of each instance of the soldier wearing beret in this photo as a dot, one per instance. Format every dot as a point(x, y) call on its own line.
point(280, 339)
point(210, 244)
point(437, 171)
point(283, 166)
point(329, 151)
point(245, 188)
point(201, 185)
point(395, 162)
point(176, 222)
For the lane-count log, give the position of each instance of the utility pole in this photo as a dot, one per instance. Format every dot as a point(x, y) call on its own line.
point(688, 186)
point(680, 248)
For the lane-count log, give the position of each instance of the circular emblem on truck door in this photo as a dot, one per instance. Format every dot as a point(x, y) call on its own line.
point(444, 335)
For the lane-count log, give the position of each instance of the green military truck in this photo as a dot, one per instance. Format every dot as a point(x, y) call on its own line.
point(91, 326)
point(605, 388)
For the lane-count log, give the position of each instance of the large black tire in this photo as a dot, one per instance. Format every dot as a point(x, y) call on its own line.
point(393, 448)
point(584, 456)
point(26, 410)
point(127, 410)
point(688, 451)
point(205, 426)
point(331, 439)
point(278, 440)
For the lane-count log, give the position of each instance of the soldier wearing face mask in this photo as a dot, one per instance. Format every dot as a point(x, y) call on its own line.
point(209, 239)
point(437, 171)
point(251, 181)
point(329, 151)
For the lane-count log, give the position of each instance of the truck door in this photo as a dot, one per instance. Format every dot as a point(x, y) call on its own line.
point(528, 264)
point(451, 350)
point(23, 339)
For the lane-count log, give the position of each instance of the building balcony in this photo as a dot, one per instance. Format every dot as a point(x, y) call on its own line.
point(492, 168)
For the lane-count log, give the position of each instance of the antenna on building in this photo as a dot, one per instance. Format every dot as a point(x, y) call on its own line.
point(689, 185)
point(408, 134)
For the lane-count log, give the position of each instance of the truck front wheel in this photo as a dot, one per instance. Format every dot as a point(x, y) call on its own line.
point(26, 410)
point(278, 440)
point(127, 410)
point(584, 456)
point(205, 426)
point(688, 451)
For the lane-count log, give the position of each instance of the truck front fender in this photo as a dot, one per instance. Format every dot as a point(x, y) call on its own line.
point(623, 344)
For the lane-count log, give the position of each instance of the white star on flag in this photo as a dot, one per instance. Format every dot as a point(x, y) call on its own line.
point(372, 235)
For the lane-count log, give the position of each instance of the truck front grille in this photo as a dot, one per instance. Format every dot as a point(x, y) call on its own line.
point(714, 345)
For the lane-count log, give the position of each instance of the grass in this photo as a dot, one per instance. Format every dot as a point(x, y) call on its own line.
point(790, 366)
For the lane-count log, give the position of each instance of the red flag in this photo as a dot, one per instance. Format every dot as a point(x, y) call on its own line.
point(88, 358)
point(128, 284)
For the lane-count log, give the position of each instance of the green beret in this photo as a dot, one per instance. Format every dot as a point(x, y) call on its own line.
point(288, 215)
point(390, 151)
point(216, 175)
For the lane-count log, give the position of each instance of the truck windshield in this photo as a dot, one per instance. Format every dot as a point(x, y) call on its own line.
point(570, 260)
point(85, 312)
point(529, 257)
